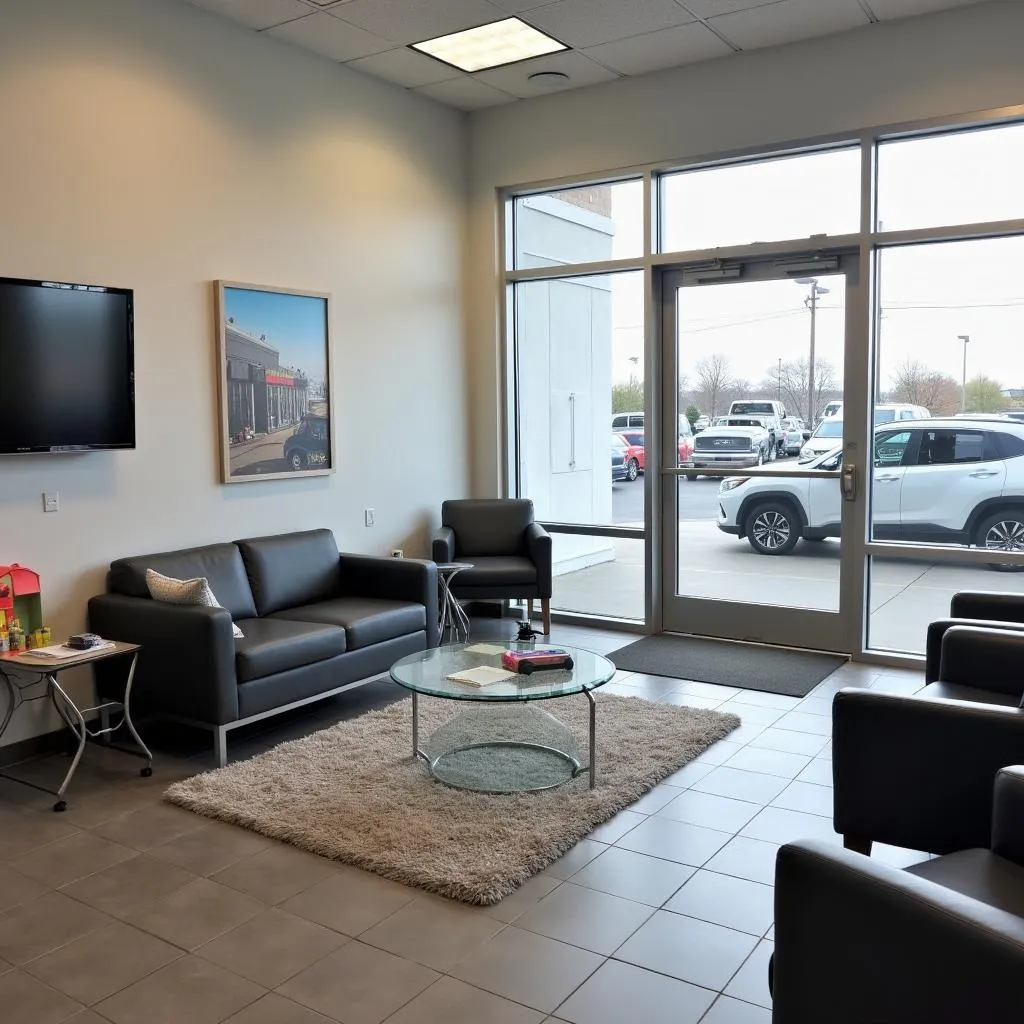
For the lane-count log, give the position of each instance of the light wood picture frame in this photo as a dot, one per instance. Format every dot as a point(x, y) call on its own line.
point(274, 382)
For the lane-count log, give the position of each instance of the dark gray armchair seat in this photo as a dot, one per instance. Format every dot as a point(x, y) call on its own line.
point(510, 553)
point(315, 622)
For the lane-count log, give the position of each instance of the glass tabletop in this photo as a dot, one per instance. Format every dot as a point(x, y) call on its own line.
point(427, 672)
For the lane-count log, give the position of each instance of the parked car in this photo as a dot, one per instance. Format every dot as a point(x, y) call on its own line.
point(950, 481)
point(742, 441)
point(770, 412)
point(635, 438)
point(701, 423)
point(309, 447)
point(634, 453)
point(829, 430)
point(794, 433)
point(619, 449)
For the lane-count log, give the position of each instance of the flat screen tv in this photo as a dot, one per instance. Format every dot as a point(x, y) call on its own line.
point(67, 373)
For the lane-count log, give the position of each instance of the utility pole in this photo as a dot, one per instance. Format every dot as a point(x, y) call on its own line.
point(811, 302)
point(778, 380)
point(965, 338)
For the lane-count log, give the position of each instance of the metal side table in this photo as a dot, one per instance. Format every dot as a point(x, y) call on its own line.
point(34, 672)
point(452, 616)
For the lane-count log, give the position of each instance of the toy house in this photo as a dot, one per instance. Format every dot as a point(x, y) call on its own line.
point(20, 596)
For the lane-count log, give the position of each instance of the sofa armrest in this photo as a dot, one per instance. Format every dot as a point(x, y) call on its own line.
point(937, 630)
point(918, 772)
point(187, 663)
point(857, 941)
point(538, 544)
point(1008, 815)
point(396, 579)
point(986, 658)
point(443, 545)
point(982, 604)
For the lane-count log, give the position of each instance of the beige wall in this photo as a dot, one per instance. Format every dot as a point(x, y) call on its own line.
point(150, 145)
point(959, 61)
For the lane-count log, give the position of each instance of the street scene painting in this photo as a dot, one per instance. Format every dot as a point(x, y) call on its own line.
point(274, 377)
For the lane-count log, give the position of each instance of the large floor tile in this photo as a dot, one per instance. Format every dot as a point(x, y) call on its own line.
point(721, 750)
point(763, 699)
point(449, 1001)
point(769, 762)
point(682, 779)
point(526, 896)
point(272, 947)
point(633, 876)
point(674, 840)
point(22, 830)
point(103, 962)
point(696, 951)
point(528, 968)
point(188, 989)
point(196, 913)
point(746, 858)
point(276, 874)
point(585, 917)
point(582, 853)
point(622, 992)
point(149, 826)
point(129, 886)
point(70, 858)
point(778, 825)
point(652, 802)
point(754, 787)
point(433, 932)
point(818, 773)
point(212, 848)
point(16, 888)
point(726, 900)
point(358, 984)
point(710, 811)
point(803, 796)
point(689, 700)
point(275, 1009)
point(713, 690)
point(25, 1000)
point(350, 901)
point(732, 1011)
point(789, 741)
point(751, 980)
point(800, 721)
point(44, 924)
point(616, 827)
point(751, 713)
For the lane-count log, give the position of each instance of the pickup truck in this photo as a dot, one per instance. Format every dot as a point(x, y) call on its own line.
point(740, 442)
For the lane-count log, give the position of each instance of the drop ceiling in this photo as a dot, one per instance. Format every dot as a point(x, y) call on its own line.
point(609, 39)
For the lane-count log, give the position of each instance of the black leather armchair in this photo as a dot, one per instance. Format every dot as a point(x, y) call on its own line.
point(916, 771)
point(509, 551)
point(972, 608)
point(941, 942)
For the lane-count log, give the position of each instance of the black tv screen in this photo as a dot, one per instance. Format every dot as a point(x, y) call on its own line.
point(67, 373)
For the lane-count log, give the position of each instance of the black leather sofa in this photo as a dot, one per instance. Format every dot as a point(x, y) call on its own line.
point(940, 942)
point(316, 622)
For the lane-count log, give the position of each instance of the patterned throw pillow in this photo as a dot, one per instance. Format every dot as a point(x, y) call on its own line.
point(173, 591)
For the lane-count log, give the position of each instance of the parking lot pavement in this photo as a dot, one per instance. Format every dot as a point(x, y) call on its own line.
point(904, 595)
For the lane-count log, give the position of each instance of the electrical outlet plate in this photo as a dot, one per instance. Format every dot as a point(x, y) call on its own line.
point(370, 516)
point(397, 553)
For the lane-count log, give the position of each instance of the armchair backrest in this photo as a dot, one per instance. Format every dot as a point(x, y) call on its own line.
point(488, 526)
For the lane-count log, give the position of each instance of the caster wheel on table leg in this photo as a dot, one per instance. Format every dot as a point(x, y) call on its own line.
point(146, 772)
point(60, 805)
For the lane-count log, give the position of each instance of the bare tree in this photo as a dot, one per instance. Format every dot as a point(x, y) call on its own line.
point(792, 380)
point(714, 378)
point(915, 383)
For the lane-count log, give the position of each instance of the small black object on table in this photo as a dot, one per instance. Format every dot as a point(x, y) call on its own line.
point(42, 670)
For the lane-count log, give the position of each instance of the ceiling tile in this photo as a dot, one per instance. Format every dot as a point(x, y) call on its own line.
point(413, 21)
point(333, 38)
point(789, 20)
point(466, 93)
point(514, 78)
point(404, 67)
point(518, 6)
point(907, 8)
point(653, 51)
point(256, 13)
point(589, 22)
point(713, 8)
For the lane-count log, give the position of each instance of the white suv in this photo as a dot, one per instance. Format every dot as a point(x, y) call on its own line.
point(935, 481)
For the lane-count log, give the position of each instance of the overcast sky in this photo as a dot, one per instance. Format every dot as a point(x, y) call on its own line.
point(929, 294)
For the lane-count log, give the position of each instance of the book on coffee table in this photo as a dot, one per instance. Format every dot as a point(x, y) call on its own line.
point(482, 675)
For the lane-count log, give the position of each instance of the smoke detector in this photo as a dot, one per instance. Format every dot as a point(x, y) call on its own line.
point(548, 79)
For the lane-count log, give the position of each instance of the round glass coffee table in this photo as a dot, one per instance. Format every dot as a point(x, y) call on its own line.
point(501, 741)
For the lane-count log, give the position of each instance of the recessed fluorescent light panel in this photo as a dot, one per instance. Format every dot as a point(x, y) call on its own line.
point(490, 46)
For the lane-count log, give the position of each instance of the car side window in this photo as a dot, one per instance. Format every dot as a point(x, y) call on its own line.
point(950, 447)
point(891, 447)
point(319, 431)
point(1009, 446)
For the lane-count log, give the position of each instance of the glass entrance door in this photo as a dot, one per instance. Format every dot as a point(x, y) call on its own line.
point(753, 516)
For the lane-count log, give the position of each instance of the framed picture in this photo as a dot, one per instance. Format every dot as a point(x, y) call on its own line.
point(274, 373)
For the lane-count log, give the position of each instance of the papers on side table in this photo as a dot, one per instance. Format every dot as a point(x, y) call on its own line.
point(57, 652)
point(482, 675)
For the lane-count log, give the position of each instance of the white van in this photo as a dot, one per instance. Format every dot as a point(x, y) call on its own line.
point(635, 421)
point(883, 413)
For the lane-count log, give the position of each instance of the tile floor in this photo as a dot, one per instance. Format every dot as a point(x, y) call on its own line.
point(131, 911)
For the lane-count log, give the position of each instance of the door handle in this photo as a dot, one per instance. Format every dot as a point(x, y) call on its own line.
point(848, 481)
point(885, 479)
point(981, 474)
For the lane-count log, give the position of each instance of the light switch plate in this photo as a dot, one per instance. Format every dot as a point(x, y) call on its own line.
point(51, 501)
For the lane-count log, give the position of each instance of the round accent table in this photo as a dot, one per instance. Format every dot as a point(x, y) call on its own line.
point(451, 617)
point(501, 740)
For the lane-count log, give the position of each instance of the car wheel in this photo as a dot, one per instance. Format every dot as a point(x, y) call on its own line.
point(772, 529)
point(1003, 531)
point(760, 456)
point(692, 476)
point(296, 461)
point(632, 469)
point(771, 452)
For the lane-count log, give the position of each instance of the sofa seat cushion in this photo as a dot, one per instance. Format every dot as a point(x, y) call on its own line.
point(366, 620)
point(496, 571)
point(979, 874)
point(957, 691)
point(277, 645)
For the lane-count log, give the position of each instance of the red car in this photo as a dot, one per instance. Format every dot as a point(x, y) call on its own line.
point(635, 453)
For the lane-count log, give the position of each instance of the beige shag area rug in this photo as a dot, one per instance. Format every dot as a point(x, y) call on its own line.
point(352, 792)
